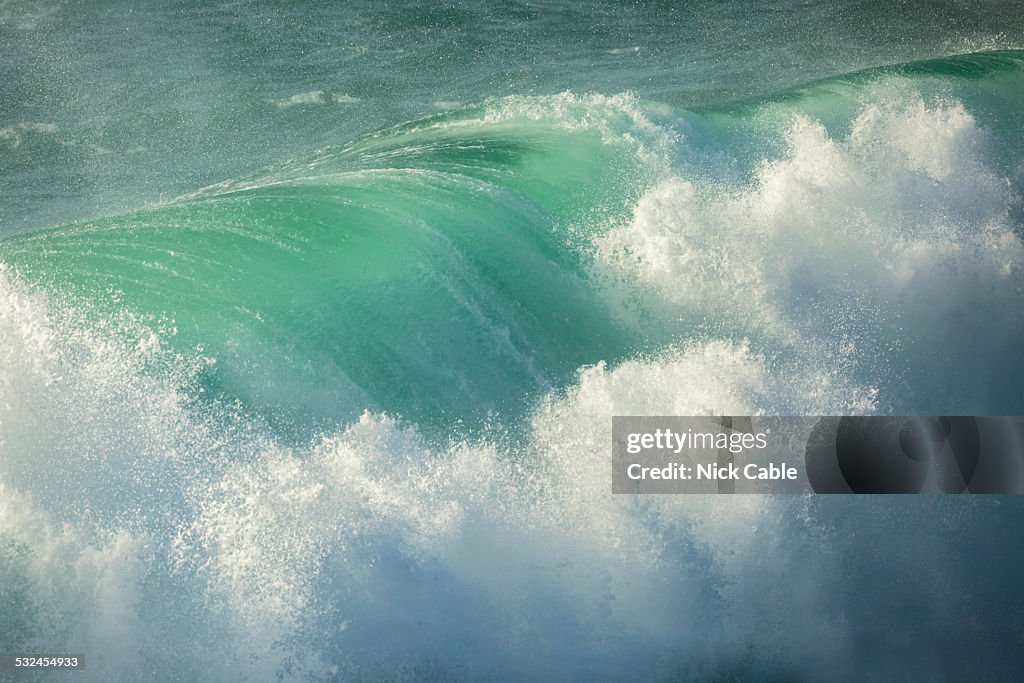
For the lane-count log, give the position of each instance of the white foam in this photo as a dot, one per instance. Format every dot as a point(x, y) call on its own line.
point(17, 134)
point(301, 99)
point(617, 119)
point(314, 98)
point(345, 98)
point(892, 247)
point(515, 546)
point(368, 553)
point(26, 16)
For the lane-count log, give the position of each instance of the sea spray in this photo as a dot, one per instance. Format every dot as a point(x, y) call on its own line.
point(349, 419)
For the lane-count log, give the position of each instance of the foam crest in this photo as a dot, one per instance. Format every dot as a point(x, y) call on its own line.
point(890, 249)
point(618, 119)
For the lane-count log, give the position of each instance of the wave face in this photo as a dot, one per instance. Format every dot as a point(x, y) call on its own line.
point(346, 419)
point(426, 271)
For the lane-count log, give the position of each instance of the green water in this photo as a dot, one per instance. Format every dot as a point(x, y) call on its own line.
point(313, 317)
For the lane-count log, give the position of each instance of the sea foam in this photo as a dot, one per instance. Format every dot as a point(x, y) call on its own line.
point(860, 267)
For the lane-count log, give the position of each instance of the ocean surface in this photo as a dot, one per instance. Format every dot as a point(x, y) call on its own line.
point(313, 318)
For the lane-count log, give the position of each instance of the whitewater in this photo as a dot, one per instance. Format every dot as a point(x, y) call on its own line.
point(343, 411)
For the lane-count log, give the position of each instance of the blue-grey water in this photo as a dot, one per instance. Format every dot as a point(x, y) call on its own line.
point(313, 317)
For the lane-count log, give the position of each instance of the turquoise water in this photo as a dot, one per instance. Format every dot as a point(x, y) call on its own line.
point(312, 320)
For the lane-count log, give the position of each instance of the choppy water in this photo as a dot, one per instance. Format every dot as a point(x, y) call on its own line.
point(313, 318)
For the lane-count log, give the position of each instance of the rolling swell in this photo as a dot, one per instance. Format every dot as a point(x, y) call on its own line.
point(426, 270)
point(444, 270)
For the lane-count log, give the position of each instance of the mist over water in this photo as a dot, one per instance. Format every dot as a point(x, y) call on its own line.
point(313, 320)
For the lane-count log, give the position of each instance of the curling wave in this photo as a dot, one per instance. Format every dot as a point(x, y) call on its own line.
point(347, 419)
